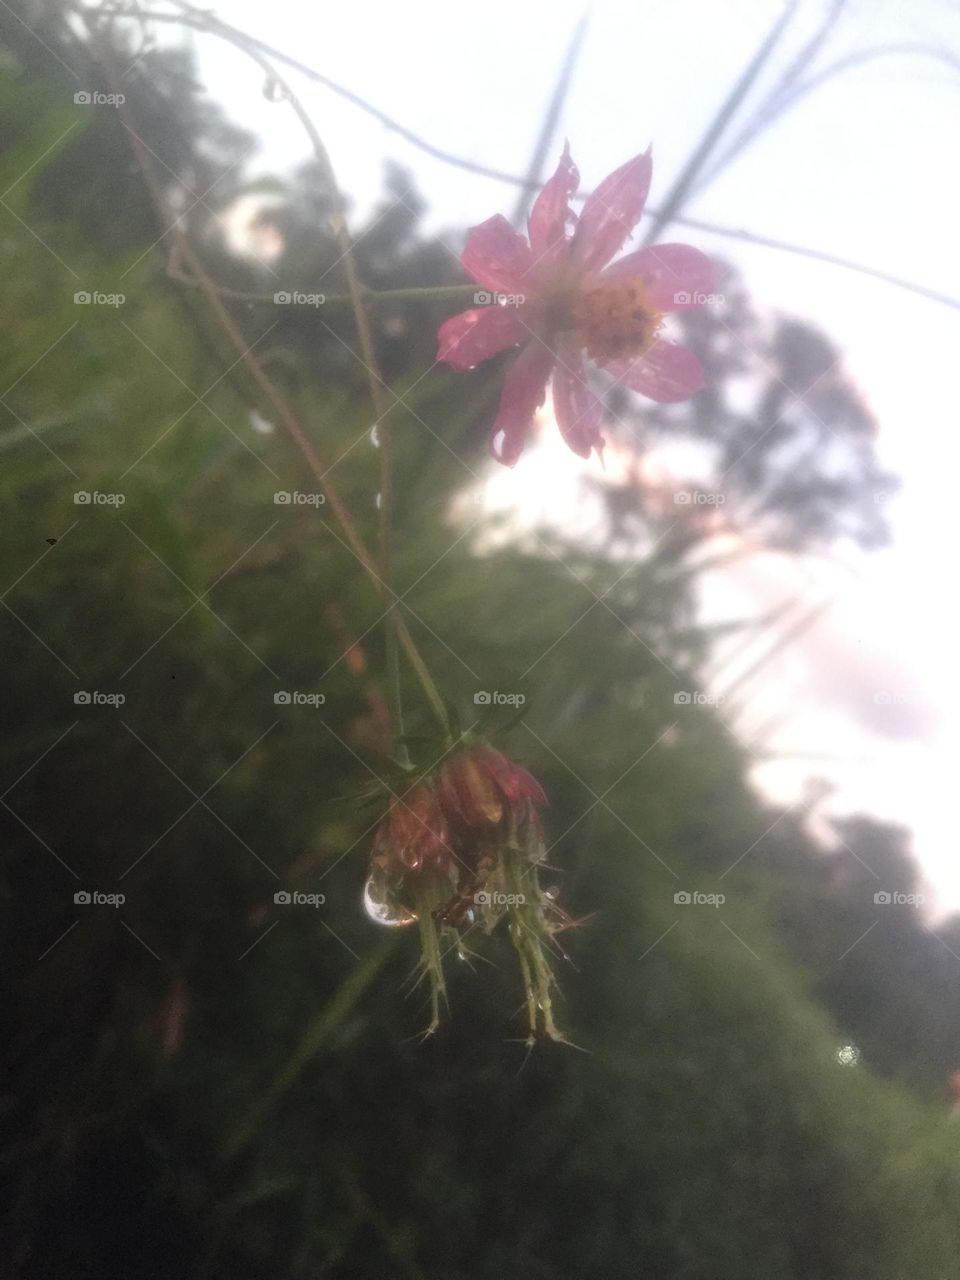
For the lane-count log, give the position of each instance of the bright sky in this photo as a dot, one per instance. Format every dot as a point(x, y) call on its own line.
point(865, 168)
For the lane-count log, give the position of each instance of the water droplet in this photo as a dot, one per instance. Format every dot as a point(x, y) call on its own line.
point(379, 502)
point(375, 436)
point(273, 90)
point(261, 425)
point(382, 906)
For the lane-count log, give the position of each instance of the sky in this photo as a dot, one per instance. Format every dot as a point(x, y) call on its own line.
point(864, 168)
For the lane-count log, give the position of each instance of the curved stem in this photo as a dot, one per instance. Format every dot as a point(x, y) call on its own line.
point(285, 415)
point(375, 384)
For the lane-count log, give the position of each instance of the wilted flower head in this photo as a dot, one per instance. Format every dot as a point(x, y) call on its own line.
point(414, 834)
point(561, 301)
point(481, 788)
point(459, 850)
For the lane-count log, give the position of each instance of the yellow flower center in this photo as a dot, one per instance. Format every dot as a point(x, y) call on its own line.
point(615, 321)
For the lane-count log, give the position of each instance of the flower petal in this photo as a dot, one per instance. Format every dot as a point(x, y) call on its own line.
point(547, 224)
point(673, 274)
point(666, 373)
point(496, 256)
point(579, 412)
point(524, 391)
point(473, 336)
point(611, 212)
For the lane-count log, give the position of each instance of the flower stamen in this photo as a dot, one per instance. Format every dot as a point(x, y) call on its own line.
point(616, 321)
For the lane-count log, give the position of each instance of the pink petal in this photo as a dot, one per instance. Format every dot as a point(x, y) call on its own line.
point(496, 256)
point(579, 412)
point(674, 274)
point(524, 391)
point(611, 213)
point(472, 336)
point(666, 373)
point(551, 211)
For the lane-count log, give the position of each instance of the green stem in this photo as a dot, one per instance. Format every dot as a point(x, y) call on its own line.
point(357, 296)
point(428, 293)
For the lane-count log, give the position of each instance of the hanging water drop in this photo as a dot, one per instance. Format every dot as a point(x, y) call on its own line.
point(375, 436)
point(383, 906)
point(379, 502)
point(273, 90)
point(261, 425)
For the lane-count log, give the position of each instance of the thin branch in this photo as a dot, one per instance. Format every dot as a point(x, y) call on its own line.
point(681, 189)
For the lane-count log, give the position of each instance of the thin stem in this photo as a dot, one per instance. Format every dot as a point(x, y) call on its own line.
point(285, 414)
point(375, 382)
point(677, 196)
point(429, 293)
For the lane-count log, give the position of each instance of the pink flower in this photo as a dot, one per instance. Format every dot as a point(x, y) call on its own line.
point(564, 302)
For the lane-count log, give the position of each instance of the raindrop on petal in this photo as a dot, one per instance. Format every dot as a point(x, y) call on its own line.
point(383, 906)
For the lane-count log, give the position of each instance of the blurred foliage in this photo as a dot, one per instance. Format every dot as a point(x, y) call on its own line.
point(203, 1083)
